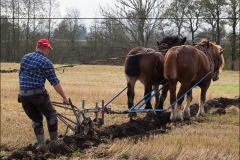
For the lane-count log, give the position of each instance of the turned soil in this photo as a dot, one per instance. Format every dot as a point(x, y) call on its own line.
point(134, 129)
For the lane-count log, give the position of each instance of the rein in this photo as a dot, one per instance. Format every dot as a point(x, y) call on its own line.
point(32, 71)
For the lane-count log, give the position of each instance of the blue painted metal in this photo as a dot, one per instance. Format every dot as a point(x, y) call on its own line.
point(142, 110)
point(162, 110)
point(148, 95)
point(78, 122)
point(115, 96)
point(188, 91)
point(152, 96)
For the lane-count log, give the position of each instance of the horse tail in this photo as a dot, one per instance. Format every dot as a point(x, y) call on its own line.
point(170, 65)
point(132, 68)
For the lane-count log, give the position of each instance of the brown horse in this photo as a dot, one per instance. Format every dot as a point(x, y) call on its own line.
point(146, 65)
point(187, 65)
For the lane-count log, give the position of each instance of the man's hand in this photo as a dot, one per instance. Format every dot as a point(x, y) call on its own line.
point(66, 101)
point(58, 88)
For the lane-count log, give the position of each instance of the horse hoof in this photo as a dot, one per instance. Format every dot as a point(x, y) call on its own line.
point(186, 113)
point(179, 119)
point(186, 117)
point(132, 115)
point(199, 114)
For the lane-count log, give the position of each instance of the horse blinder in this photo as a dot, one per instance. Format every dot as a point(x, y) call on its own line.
point(203, 44)
point(216, 71)
point(207, 44)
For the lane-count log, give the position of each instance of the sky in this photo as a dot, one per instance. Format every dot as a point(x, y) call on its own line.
point(87, 8)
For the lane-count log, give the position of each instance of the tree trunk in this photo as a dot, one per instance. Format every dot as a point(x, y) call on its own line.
point(13, 30)
point(233, 40)
point(218, 26)
point(49, 21)
point(28, 22)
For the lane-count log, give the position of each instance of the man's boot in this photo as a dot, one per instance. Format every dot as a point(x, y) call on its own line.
point(41, 141)
point(55, 142)
point(53, 136)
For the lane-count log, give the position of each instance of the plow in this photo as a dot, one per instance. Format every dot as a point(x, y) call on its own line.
point(83, 123)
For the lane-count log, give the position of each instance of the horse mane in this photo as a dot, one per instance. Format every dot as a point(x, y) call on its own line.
point(216, 48)
point(168, 39)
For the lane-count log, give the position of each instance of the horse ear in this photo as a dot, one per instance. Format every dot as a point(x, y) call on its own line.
point(158, 43)
point(221, 52)
point(207, 44)
point(184, 40)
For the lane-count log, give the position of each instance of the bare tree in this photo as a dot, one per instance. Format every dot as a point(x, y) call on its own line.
point(175, 14)
point(234, 15)
point(214, 11)
point(67, 34)
point(29, 10)
point(52, 10)
point(5, 30)
point(109, 37)
point(73, 25)
point(139, 18)
point(193, 13)
point(13, 29)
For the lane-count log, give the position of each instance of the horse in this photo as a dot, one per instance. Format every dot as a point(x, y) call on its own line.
point(168, 42)
point(146, 65)
point(188, 65)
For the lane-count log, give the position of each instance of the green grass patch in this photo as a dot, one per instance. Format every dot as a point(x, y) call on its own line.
point(126, 155)
point(229, 88)
point(223, 119)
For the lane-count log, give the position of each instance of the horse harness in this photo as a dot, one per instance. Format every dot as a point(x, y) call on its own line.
point(209, 54)
point(149, 51)
point(163, 48)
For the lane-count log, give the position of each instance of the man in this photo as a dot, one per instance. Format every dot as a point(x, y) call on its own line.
point(35, 68)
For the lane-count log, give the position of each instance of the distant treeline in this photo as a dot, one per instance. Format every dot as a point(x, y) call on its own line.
point(124, 26)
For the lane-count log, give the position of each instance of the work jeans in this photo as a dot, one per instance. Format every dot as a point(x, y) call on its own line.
point(35, 106)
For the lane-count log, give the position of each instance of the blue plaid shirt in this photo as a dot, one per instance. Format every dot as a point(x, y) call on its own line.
point(35, 68)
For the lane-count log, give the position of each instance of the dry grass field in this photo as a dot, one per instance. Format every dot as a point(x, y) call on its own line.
point(215, 137)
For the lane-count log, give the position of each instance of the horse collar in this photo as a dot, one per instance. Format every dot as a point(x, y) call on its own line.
point(208, 54)
point(213, 61)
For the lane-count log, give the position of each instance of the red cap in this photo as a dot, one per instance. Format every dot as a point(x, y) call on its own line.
point(44, 43)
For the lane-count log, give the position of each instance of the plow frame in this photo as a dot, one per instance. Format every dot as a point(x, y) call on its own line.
point(84, 125)
point(78, 126)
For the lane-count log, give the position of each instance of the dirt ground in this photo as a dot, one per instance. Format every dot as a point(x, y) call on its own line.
point(133, 129)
